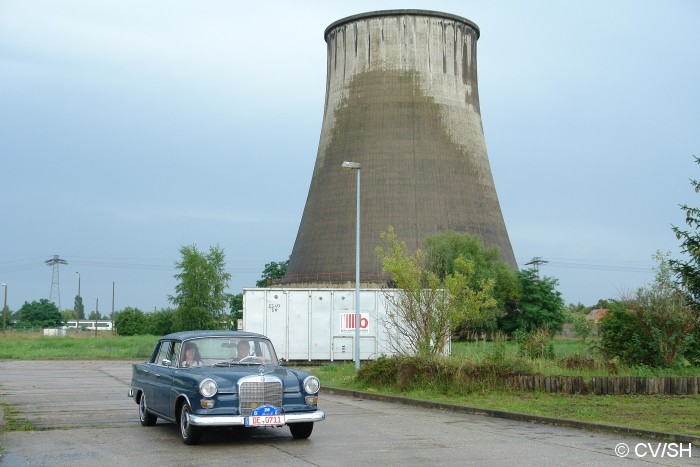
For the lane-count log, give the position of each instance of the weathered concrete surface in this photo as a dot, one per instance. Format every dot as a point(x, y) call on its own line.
point(402, 100)
point(85, 419)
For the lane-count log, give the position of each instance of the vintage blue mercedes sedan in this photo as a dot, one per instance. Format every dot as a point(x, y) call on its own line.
point(200, 379)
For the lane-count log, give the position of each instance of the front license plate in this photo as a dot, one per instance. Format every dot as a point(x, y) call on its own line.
point(264, 420)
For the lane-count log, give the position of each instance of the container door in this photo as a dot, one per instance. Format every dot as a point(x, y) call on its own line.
point(276, 320)
point(320, 303)
point(298, 326)
point(254, 311)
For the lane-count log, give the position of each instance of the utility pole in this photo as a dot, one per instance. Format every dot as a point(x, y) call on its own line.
point(4, 313)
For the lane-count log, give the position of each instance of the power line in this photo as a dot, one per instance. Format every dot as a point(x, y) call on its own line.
point(643, 266)
point(127, 263)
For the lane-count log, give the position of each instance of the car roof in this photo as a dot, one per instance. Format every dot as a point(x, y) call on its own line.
point(184, 335)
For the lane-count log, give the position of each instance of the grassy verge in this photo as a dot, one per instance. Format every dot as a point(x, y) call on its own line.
point(76, 346)
point(668, 414)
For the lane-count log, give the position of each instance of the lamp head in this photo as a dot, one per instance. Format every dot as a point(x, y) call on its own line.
point(351, 165)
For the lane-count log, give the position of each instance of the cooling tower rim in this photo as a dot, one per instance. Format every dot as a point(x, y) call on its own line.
point(413, 12)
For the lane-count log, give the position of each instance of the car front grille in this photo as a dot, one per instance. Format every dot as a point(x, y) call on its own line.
point(255, 391)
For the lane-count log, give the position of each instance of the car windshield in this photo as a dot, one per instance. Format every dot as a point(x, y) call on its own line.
point(227, 351)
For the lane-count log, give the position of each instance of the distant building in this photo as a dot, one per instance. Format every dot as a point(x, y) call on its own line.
point(596, 315)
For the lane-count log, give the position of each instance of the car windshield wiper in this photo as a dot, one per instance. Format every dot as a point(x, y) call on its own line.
point(225, 363)
point(244, 361)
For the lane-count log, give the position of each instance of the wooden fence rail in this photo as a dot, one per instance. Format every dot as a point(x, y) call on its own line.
point(608, 385)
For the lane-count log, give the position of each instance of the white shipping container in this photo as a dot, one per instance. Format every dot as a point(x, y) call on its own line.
point(318, 324)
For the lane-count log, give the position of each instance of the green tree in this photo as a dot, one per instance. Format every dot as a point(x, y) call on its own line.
point(472, 303)
point(42, 314)
point(688, 270)
point(577, 315)
point(425, 311)
point(94, 315)
point(130, 322)
point(541, 305)
point(442, 251)
point(272, 271)
point(200, 295)
point(160, 323)
point(68, 315)
point(236, 303)
point(79, 307)
point(654, 327)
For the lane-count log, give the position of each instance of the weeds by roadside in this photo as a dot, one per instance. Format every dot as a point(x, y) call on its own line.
point(12, 421)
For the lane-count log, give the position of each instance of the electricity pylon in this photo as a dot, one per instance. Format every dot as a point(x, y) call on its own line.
point(535, 262)
point(55, 293)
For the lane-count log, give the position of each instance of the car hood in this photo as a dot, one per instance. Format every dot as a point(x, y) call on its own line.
point(227, 377)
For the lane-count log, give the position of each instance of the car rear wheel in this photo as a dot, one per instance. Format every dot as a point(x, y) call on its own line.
point(301, 430)
point(190, 434)
point(146, 417)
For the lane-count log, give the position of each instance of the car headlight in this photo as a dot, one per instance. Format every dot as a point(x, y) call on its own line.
point(312, 384)
point(208, 388)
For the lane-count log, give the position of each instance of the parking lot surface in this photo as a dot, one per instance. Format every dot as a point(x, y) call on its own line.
point(83, 416)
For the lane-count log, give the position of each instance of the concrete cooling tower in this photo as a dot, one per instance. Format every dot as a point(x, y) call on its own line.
point(402, 101)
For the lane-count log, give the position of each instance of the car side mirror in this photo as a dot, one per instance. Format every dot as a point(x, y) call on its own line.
point(166, 362)
point(282, 361)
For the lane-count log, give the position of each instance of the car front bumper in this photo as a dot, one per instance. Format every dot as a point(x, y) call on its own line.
point(232, 420)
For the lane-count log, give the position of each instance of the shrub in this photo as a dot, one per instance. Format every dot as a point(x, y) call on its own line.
point(535, 344)
point(655, 327)
point(438, 373)
point(130, 322)
point(579, 362)
point(380, 372)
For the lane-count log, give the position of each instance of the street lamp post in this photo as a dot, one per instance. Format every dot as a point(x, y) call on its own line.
point(97, 313)
point(112, 318)
point(4, 313)
point(356, 167)
point(78, 304)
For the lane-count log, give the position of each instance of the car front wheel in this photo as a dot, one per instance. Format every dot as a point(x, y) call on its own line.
point(146, 417)
point(301, 430)
point(190, 434)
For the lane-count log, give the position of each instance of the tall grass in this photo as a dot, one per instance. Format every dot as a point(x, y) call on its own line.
point(567, 352)
point(75, 346)
point(477, 385)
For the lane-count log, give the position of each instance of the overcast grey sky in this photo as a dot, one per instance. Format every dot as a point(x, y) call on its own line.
point(131, 128)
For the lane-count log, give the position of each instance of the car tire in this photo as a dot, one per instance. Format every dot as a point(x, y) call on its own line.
point(145, 417)
point(190, 434)
point(301, 430)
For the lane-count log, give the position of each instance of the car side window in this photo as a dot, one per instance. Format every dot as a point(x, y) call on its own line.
point(165, 353)
point(177, 354)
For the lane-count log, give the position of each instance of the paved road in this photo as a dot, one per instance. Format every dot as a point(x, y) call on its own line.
point(83, 417)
